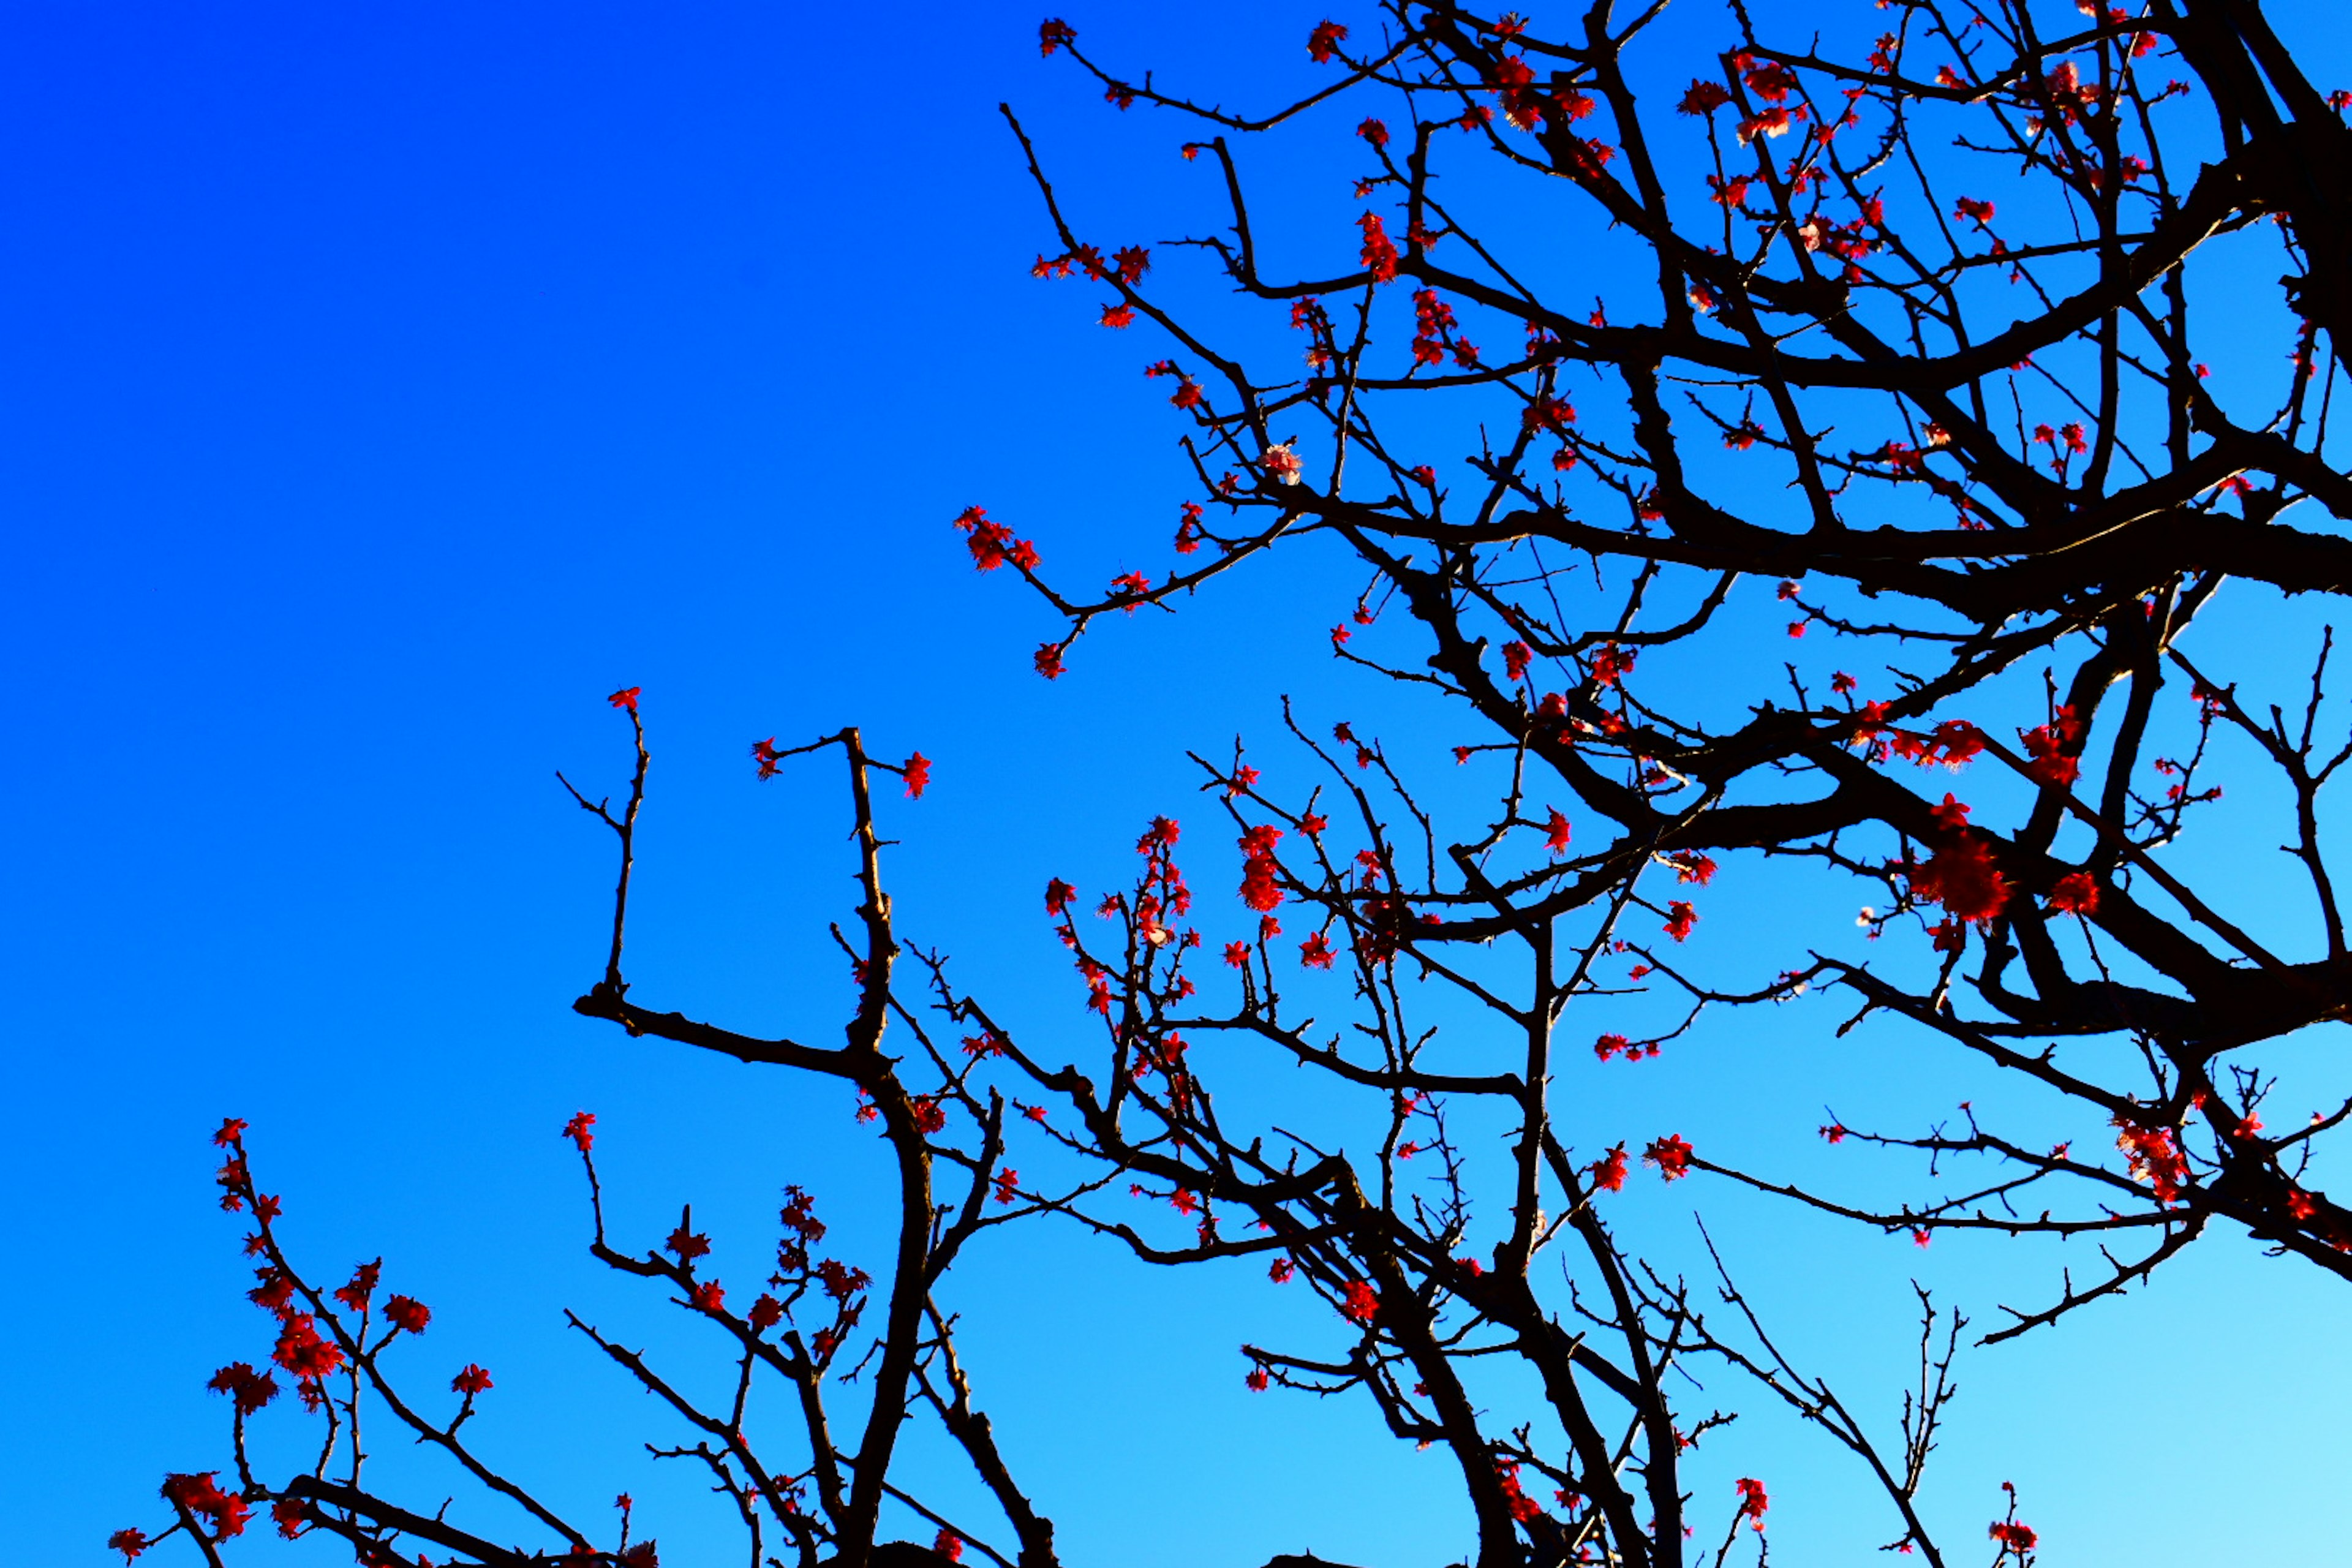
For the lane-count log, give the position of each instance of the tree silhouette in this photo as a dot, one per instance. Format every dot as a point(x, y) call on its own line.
point(1985, 244)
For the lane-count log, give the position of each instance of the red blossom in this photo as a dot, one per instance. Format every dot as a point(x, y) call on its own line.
point(1705, 97)
point(301, 1350)
point(2014, 1537)
point(579, 1130)
point(1362, 1302)
point(2075, 893)
point(1671, 1154)
point(1324, 41)
point(249, 1390)
point(1380, 252)
point(1608, 1172)
point(1680, 918)
point(948, 1545)
point(407, 1314)
point(626, 697)
point(129, 1542)
point(688, 1245)
point(1556, 832)
point(918, 773)
point(1752, 1500)
point(1053, 34)
point(471, 1380)
point(201, 1494)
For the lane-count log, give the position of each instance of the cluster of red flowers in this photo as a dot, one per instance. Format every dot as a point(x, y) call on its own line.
point(2052, 749)
point(201, 1494)
point(1607, 1048)
point(992, 544)
point(1261, 873)
point(1671, 1154)
point(1434, 334)
point(2155, 1156)
point(1380, 252)
point(1961, 875)
point(1752, 1500)
point(1523, 1507)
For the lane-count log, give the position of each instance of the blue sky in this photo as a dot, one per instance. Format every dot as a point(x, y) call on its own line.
point(383, 385)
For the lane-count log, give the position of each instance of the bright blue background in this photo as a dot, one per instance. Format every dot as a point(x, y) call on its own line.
point(381, 387)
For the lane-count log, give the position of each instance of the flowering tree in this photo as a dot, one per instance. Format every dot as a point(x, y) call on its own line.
point(1983, 241)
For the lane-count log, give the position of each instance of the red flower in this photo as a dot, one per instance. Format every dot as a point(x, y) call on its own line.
point(1325, 40)
point(471, 1380)
point(765, 1314)
point(250, 1390)
point(2076, 893)
point(1680, 918)
point(1608, 1046)
point(688, 1245)
point(579, 1129)
point(1671, 1155)
point(1556, 832)
point(1962, 877)
point(1980, 212)
point(1118, 315)
point(1256, 1380)
point(1834, 1132)
point(625, 699)
point(201, 1494)
point(1237, 954)
point(1611, 663)
point(231, 1131)
point(301, 1351)
point(1608, 1172)
point(1058, 895)
point(1280, 1270)
point(1048, 660)
point(918, 773)
point(1380, 252)
point(1008, 1185)
point(1705, 97)
point(1315, 952)
point(1752, 1500)
point(1053, 34)
point(407, 1314)
point(1692, 867)
point(357, 1294)
point(948, 1545)
point(129, 1542)
point(764, 752)
point(928, 1117)
point(2154, 1156)
point(2017, 1538)
point(1374, 132)
point(709, 1297)
point(1363, 1303)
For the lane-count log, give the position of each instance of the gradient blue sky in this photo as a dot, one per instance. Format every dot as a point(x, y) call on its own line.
point(384, 385)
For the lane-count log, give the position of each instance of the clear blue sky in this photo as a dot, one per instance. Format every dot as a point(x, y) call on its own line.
point(382, 385)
